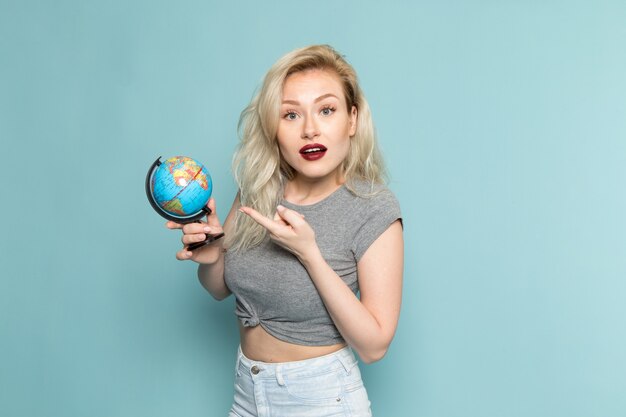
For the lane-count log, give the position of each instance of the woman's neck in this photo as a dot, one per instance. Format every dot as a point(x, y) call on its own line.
point(305, 191)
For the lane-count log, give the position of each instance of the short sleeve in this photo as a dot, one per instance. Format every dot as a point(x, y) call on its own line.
point(376, 214)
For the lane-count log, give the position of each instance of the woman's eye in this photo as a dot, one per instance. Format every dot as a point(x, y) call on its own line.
point(327, 111)
point(290, 115)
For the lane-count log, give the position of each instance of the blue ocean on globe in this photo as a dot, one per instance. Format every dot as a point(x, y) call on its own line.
point(181, 186)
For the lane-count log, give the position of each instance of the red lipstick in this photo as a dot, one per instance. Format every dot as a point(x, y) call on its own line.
point(313, 151)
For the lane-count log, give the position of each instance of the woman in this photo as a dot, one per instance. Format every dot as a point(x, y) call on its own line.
point(312, 226)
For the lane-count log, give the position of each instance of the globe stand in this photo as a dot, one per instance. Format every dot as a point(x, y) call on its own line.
point(193, 218)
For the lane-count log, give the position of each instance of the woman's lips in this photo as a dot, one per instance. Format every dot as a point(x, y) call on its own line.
point(313, 151)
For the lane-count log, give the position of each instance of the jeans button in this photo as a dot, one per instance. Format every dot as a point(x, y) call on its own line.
point(255, 370)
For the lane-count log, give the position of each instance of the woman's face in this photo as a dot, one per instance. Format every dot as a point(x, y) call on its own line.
point(315, 125)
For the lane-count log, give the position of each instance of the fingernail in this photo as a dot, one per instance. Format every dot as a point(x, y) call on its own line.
point(279, 207)
point(207, 229)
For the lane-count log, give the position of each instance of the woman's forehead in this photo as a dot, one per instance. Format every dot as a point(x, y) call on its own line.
point(311, 82)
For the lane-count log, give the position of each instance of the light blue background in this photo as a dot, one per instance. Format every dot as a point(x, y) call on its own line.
point(504, 126)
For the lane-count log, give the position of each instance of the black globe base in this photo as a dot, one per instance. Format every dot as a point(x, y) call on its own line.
point(209, 239)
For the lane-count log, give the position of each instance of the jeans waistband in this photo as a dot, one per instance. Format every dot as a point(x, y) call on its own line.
point(343, 357)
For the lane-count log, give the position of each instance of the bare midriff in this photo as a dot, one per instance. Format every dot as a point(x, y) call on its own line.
point(257, 344)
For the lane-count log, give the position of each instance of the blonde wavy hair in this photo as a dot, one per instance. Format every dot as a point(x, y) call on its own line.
point(260, 171)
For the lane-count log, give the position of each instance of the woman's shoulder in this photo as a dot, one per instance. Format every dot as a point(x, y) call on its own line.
point(367, 192)
point(363, 199)
point(375, 208)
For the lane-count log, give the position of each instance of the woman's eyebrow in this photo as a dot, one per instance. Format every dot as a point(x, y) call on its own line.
point(320, 98)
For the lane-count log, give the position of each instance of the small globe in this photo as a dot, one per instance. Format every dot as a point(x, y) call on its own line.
point(180, 187)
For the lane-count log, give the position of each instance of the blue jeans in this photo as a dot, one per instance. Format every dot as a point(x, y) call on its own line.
point(328, 385)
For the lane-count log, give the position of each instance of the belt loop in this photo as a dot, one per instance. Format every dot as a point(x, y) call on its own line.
point(347, 359)
point(279, 376)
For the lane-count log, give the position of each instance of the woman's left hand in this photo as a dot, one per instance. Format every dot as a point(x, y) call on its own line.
point(288, 229)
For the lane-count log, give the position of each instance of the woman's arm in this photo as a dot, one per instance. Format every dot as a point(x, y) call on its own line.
point(210, 258)
point(211, 275)
point(368, 324)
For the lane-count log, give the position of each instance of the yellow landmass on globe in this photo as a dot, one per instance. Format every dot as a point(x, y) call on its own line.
point(187, 172)
point(182, 177)
point(202, 181)
point(185, 176)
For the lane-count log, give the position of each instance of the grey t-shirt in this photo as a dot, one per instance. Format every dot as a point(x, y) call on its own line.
point(273, 289)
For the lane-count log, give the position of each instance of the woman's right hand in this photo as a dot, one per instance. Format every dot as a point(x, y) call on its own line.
point(196, 232)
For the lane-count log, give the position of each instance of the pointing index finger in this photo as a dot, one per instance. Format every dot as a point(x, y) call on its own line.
point(258, 217)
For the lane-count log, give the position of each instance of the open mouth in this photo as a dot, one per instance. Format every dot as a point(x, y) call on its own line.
point(313, 151)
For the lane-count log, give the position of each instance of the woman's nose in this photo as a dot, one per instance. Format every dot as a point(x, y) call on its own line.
point(309, 128)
